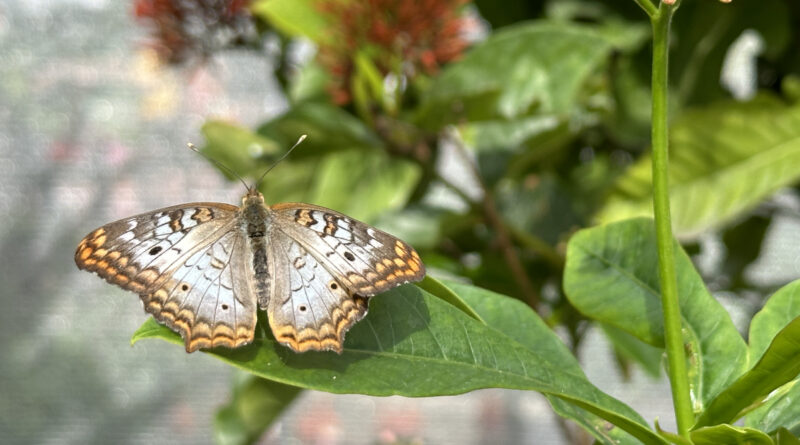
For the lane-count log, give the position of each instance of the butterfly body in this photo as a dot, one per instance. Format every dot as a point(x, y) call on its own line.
point(203, 269)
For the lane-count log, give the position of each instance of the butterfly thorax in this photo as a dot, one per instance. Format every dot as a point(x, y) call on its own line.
point(256, 218)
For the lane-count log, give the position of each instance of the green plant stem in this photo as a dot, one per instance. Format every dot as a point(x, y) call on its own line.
point(648, 7)
point(676, 361)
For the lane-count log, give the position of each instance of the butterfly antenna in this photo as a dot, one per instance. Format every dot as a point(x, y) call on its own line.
point(301, 139)
point(218, 164)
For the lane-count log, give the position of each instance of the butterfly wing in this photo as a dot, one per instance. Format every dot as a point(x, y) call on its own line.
point(333, 263)
point(187, 263)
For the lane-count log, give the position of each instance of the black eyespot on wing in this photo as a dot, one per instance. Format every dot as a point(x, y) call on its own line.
point(155, 250)
point(349, 256)
point(224, 307)
point(302, 308)
point(184, 287)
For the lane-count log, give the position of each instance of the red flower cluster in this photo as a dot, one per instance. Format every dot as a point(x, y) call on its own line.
point(195, 28)
point(402, 36)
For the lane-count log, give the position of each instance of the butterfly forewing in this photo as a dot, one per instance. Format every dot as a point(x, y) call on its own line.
point(159, 253)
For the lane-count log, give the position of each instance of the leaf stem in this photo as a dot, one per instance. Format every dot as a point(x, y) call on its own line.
point(676, 361)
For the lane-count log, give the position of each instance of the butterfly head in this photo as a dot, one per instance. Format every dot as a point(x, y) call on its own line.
point(252, 197)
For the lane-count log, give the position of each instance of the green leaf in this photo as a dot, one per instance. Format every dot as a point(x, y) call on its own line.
point(413, 344)
point(256, 403)
point(439, 289)
point(237, 147)
point(724, 160)
point(293, 17)
point(506, 135)
point(779, 365)
point(363, 184)
point(785, 437)
point(329, 129)
point(780, 310)
point(517, 320)
point(729, 434)
point(779, 410)
point(539, 65)
point(630, 347)
point(611, 275)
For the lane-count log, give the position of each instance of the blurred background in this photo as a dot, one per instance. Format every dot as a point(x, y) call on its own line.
point(98, 100)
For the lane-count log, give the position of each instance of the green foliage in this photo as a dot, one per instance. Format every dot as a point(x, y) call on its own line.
point(547, 202)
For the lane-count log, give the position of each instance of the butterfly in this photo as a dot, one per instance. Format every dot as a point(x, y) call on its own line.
point(204, 268)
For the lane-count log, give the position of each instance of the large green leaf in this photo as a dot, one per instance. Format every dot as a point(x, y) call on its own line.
point(256, 403)
point(517, 320)
point(724, 160)
point(539, 65)
point(414, 344)
point(611, 275)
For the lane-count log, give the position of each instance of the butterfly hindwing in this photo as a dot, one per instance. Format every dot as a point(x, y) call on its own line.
point(208, 298)
point(310, 309)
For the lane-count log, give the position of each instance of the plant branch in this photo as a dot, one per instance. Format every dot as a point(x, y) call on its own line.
point(648, 7)
point(493, 218)
point(676, 360)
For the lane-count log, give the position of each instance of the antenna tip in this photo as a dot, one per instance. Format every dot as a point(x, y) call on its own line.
point(191, 146)
point(302, 138)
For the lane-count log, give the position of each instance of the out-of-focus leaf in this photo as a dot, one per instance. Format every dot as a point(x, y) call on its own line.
point(293, 17)
point(785, 437)
point(236, 147)
point(724, 160)
point(611, 275)
point(256, 403)
point(505, 13)
point(412, 344)
point(363, 184)
point(309, 84)
point(328, 127)
point(743, 243)
point(729, 434)
point(707, 29)
point(535, 65)
point(506, 135)
point(548, 212)
point(630, 347)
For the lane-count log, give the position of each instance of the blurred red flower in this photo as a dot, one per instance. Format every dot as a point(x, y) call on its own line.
point(184, 29)
point(401, 36)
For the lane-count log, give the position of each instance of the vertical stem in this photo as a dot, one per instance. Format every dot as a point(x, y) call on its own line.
point(676, 360)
